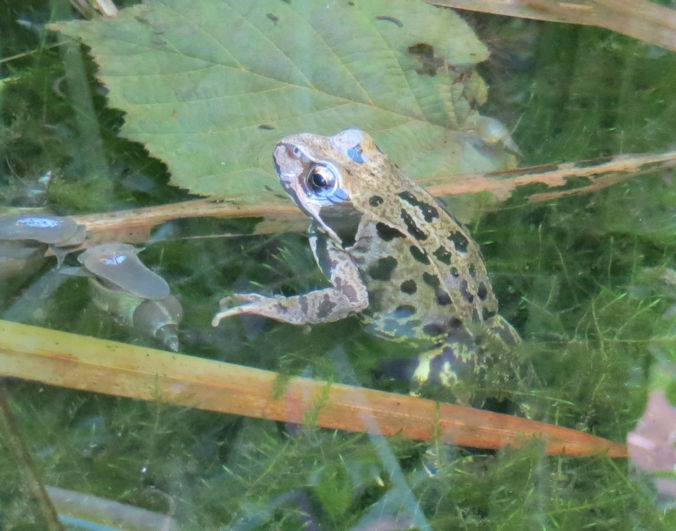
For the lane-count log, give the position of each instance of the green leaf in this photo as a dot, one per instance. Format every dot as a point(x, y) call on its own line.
point(209, 87)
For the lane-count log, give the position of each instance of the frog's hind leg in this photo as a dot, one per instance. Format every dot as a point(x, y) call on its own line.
point(499, 329)
point(450, 365)
point(469, 360)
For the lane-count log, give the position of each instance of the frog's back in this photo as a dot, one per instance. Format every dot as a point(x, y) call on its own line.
point(427, 278)
point(414, 255)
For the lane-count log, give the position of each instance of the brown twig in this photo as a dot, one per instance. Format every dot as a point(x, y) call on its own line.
point(134, 225)
point(640, 19)
point(79, 362)
point(598, 174)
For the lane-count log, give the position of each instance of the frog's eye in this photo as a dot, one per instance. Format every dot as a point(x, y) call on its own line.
point(296, 152)
point(321, 178)
point(323, 184)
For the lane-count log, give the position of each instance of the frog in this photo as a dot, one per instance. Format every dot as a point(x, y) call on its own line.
point(392, 253)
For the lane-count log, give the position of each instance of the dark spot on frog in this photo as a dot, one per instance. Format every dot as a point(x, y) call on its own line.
point(442, 298)
point(487, 314)
point(376, 200)
point(413, 229)
point(387, 233)
point(266, 127)
point(325, 307)
point(272, 17)
point(459, 241)
point(454, 323)
point(404, 311)
point(482, 291)
point(382, 270)
point(431, 280)
point(433, 329)
point(472, 270)
point(455, 272)
point(409, 287)
point(443, 255)
point(428, 211)
point(465, 292)
point(399, 328)
point(389, 325)
point(394, 20)
point(419, 255)
point(346, 289)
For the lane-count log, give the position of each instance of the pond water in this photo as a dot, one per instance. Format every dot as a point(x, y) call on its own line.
point(585, 278)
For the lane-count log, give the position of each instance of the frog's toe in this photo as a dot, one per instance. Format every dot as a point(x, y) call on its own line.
point(238, 299)
point(222, 315)
point(236, 304)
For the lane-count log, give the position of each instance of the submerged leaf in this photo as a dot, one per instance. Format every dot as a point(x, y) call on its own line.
point(211, 89)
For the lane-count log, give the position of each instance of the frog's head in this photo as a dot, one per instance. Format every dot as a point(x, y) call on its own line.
point(327, 176)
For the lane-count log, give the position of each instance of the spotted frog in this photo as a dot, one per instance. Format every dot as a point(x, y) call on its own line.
point(392, 253)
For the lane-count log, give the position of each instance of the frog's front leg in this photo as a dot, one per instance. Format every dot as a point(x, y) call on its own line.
point(348, 294)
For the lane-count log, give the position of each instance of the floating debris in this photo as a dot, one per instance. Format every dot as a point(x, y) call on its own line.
point(132, 294)
point(118, 264)
point(58, 231)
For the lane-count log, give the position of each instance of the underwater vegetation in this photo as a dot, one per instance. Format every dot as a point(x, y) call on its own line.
point(586, 278)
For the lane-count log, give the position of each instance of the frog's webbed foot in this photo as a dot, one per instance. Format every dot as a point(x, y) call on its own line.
point(320, 306)
point(347, 296)
point(251, 303)
point(241, 299)
point(235, 304)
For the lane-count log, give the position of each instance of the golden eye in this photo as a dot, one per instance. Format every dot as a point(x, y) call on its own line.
point(321, 178)
point(323, 184)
